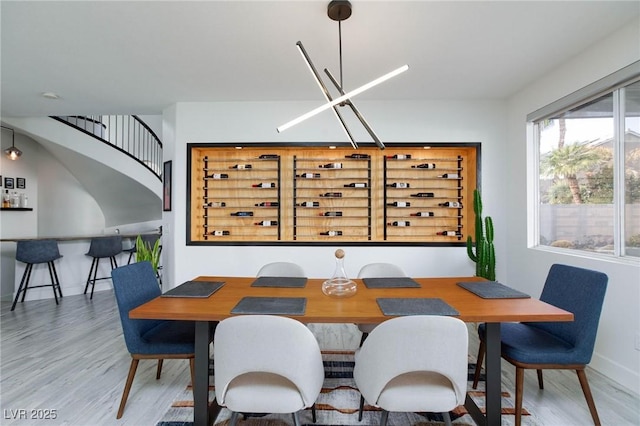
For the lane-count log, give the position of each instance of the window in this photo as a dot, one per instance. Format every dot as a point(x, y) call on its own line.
point(589, 170)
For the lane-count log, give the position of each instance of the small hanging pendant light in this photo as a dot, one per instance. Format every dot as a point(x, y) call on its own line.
point(12, 153)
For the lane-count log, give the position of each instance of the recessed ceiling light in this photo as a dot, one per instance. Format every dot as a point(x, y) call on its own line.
point(50, 95)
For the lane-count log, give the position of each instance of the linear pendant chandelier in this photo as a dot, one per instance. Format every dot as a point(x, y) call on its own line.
point(339, 10)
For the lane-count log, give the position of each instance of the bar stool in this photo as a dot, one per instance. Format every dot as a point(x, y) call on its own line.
point(100, 248)
point(148, 239)
point(33, 253)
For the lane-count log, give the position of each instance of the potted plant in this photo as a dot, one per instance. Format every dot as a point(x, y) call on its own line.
point(145, 251)
point(485, 255)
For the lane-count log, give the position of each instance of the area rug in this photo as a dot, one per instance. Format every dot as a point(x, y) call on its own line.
point(338, 404)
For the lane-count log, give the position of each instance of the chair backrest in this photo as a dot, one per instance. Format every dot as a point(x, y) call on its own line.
point(150, 239)
point(381, 270)
point(105, 246)
point(134, 285)
point(281, 269)
point(37, 251)
point(580, 291)
point(267, 344)
point(416, 343)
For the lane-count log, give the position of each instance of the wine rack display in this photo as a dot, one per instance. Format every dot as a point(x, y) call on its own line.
point(423, 198)
point(332, 198)
point(405, 194)
point(241, 198)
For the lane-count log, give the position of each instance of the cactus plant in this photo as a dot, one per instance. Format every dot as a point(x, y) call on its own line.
point(485, 255)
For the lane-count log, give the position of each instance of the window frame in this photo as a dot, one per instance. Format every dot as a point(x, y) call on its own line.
point(609, 84)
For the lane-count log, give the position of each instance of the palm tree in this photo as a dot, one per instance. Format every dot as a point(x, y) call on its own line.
point(567, 162)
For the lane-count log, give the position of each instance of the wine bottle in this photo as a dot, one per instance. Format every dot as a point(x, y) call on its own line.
point(264, 185)
point(332, 233)
point(309, 175)
point(309, 204)
point(399, 185)
point(358, 156)
point(356, 185)
point(219, 233)
point(422, 214)
point(399, 156)
point(241, 166)
point(332, 194)
point(268, 156)
point(400, 204)
point(331, 166)
point(333, 214)
point(218, 176)
point(267, 223)
point(216, 204)
point(453, 204)
point(242, 214)
point(424, 166)
point(268, 204)
point(449, 176)
point(399, 223)
point(423, 195)
point(449, 233)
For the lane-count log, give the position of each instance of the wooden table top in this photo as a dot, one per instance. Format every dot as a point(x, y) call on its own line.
point(360, 308)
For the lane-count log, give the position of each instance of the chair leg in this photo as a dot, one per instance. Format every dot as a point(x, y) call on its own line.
point(384, 417)
point(93, 264)
point(95, 277)
point(582, 376)
point(127, 386)
point(361, 408)
point(313, 412)
point(20, 287)
point(296, 420)
point(447, 418)
point(26, 283)
point(363, 338)
point(57, 281)
point(53, 282)
point(130, 257)
point(519, 391)
point(479, 361)
point(192, 369)
point(159, 370)
point(540, 381)
point(234, 419)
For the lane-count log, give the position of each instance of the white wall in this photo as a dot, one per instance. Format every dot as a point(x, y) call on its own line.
point(527, 268)
point(429, 121)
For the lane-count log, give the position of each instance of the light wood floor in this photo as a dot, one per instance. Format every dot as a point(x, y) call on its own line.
point(72, 359)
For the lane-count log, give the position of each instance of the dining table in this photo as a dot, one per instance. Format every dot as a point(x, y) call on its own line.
point(363, 307)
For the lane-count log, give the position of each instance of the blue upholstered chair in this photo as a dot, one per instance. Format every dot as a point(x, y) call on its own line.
point(33, 253)
point(101, 248)
point(133, 286)
point(556, 345)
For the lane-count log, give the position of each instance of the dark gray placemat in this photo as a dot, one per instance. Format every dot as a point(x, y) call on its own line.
point(390, 282)
point(493, 290)
point(290, 282)
point(412, 306)
point(271, 305)
point(194, 289)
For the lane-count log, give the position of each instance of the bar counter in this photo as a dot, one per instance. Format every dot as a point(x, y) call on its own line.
point(73, 267)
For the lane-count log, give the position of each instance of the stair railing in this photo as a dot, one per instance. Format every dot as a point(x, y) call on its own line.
point(126, 133)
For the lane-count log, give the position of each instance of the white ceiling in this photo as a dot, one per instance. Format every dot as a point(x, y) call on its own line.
point(139, 57)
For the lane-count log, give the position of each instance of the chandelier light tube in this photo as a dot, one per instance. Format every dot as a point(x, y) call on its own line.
point(325, 92)
point(343, 98)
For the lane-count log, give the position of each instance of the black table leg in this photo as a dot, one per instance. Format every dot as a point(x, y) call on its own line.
point(203, 413)
point(493, 381)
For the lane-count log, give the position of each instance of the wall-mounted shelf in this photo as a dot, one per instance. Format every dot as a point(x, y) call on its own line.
point(310, 194)
point(17, 209)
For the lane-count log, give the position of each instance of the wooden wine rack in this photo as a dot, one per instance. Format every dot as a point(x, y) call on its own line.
point(263, 194)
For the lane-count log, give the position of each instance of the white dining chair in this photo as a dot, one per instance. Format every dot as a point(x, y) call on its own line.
point(266, 364)
point(281, 269)
point(414, 364)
